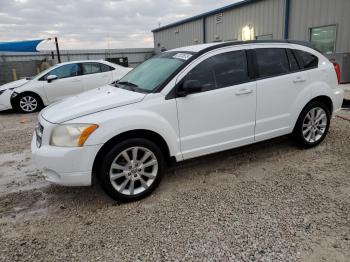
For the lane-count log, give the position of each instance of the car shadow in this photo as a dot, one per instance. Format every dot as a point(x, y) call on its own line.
point(94, 197)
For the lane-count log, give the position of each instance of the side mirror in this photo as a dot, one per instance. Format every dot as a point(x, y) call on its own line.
point(51, 78)
point(189, 87)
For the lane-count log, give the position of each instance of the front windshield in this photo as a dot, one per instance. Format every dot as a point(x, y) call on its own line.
point(152, 73)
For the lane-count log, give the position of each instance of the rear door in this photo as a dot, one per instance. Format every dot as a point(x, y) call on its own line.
point(280, 83)
point(95, 75)
point(68, 82)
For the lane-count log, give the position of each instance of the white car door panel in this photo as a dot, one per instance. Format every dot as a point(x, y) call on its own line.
point(69, 83)
point(223, 115)
point(277, 95)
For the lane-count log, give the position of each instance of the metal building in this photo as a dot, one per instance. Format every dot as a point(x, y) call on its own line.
point(325, 23)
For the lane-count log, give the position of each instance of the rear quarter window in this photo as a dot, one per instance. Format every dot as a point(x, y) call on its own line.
point(306, 60)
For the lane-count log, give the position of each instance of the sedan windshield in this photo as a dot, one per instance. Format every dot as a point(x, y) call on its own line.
point(152, 73)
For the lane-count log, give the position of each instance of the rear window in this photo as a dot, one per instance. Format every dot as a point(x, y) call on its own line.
point(271, 62)
point(306, 60)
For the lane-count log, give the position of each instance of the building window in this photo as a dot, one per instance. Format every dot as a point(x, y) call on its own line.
point(324, 38)
point(264, 37)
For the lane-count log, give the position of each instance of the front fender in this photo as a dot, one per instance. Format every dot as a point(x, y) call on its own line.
point(120, 120)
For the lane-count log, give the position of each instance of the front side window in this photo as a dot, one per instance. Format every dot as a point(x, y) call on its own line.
point(148, 76)
point(221, 71)
point(271, 62)
point(91, 68)
point(324, 38)
point(65, 71)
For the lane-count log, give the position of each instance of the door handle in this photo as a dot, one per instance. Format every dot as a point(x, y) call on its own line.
point(299, 79)
point(244, 91)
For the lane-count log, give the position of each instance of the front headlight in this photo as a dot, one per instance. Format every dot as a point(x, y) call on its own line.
point(14, 94)
point(71, 135)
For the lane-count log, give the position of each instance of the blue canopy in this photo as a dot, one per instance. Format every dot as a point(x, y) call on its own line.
point(21, 46)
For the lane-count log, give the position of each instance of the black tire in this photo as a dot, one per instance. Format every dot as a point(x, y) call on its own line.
point(298, 135)
point(106, 164)
point(37, 104)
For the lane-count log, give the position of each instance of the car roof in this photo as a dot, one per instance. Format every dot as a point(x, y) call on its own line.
point(202, 48)
point(88, 61)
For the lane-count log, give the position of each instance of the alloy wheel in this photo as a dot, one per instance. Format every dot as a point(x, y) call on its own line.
point(133, 171)
point(314, 125)
point(28, 104)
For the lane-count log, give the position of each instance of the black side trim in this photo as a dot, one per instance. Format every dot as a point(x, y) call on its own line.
point(252, 66)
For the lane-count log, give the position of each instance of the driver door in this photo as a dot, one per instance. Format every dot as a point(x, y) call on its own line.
point(68, 82)
point(222, 115)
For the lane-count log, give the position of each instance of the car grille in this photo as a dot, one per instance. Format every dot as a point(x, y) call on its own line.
point(39, 130)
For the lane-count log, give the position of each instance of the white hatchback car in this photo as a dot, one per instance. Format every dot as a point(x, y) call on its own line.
point(58, 82)
point(182, 104)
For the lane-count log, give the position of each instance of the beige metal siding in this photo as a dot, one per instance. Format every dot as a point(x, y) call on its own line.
point(267, 17)
point(306, 14)
point(182, 35)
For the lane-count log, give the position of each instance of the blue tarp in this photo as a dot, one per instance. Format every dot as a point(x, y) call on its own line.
point(22, 46)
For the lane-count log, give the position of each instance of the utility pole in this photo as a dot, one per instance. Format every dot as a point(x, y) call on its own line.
point(58, 50)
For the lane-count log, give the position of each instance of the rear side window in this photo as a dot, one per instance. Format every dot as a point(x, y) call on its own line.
point(306, 60)
point(221, 71)
point(271, 62)
point(91, 68)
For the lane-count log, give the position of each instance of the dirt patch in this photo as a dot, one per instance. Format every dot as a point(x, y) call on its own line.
point(16, 131)
point(270, 201)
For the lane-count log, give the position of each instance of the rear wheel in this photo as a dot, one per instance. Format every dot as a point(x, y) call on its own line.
point(132, 170)
point(313, 125)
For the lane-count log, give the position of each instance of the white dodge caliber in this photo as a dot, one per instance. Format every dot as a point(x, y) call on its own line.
point(58, 82)
point(182, 104)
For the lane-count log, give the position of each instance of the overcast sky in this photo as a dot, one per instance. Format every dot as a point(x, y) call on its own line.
point(87, 24)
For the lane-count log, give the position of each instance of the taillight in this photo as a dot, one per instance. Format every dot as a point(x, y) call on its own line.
point(337, 70)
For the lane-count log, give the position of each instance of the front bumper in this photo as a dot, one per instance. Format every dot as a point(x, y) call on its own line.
point(65, 166)
point(5, 100)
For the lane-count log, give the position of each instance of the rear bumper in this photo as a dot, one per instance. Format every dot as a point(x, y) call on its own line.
point(65, 166)
point(338, 98)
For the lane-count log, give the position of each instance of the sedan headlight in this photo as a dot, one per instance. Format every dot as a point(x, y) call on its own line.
point(14, 94)
point(71, 135)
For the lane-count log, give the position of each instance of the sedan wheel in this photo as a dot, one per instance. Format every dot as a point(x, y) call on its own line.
point(28, 104)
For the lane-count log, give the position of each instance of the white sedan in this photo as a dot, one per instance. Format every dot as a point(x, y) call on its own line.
point(58, 82)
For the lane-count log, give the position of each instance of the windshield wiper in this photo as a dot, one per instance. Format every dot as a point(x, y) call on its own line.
point(128, 84)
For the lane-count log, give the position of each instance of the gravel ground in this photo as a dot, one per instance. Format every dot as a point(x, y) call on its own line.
point(265, 202)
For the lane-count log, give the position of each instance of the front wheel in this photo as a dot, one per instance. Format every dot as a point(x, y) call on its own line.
point(313, 125)
point(28, 103)
point(132, 170)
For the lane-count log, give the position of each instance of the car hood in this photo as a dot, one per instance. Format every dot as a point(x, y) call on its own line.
point(14, 84)
point(93, 101)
